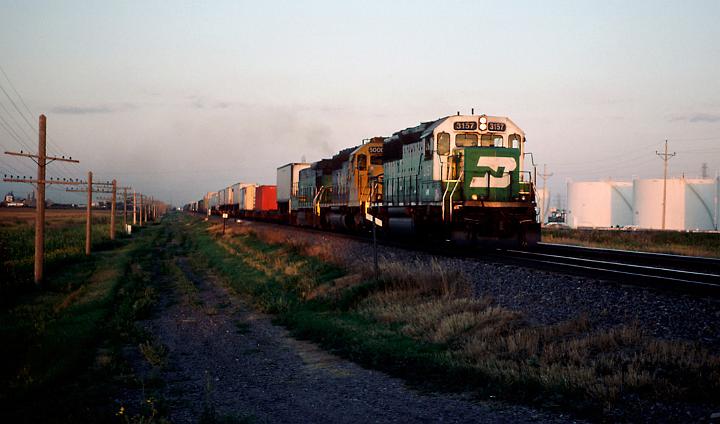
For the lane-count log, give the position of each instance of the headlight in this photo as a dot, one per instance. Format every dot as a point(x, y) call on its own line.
point(483, 120)
point(474, 197)
point(483, 127)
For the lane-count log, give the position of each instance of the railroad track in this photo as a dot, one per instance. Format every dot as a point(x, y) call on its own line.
point(688, 274)
point(684, 274)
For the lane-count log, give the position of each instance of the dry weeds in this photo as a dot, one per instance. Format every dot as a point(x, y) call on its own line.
point(431, 303)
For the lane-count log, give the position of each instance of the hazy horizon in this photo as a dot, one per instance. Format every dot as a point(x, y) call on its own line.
point(178, 101)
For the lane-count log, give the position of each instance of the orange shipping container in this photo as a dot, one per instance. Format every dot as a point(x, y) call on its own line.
point(266, 198)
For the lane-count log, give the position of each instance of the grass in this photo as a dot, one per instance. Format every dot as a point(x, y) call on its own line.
point(154, 353)
point(64, 243)
point(61, 345)
point(674, 242)
point(424, 323)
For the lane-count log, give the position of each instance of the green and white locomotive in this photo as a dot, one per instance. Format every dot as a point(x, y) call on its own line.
point(459, 177)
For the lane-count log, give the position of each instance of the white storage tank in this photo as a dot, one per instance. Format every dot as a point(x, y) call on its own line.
point(691, 204)
point(600, 204)
point(543, 204)
point(701, 204)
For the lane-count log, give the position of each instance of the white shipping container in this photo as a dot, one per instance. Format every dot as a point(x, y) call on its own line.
point(287, 179)
point(235, 189)
point(227, 196)
point(246, 199)
point(237, 192)
point(213, 199)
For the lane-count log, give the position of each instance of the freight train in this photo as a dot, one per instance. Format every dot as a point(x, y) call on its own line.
point(460, 177)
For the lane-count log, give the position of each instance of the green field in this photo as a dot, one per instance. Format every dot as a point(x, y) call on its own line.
point(61, 356)
point(64, 242)
point(675, 242)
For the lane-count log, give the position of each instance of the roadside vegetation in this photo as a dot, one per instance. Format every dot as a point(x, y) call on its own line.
point(64, 244)
point(423, 322)
point(63, 356)
point(674, 242)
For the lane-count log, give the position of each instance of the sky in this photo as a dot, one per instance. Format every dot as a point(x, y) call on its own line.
point(179, 98)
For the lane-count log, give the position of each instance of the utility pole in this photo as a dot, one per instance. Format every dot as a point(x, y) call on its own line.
point(112, 210)
point(544, 177)
point(88, 211)
point(134, 208)
point(88, 215)
point(704, 170)
point(125, 209)
point(140, 209)
point(42, 160)
point(113, 205)
point(666, 158)
point(40, 198)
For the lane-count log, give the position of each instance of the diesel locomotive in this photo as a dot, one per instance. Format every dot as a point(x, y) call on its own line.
point(460, 177)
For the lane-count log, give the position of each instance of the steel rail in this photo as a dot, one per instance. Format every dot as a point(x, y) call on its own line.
point(658, 276)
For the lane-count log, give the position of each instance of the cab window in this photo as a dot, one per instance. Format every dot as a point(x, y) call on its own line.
point(443, 144)
point(466, 140)
point(376, 160)
point(491, 140)
point(514, 141)
point(361, 162)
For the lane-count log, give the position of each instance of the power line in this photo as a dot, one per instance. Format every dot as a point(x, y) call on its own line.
point(16, 93)
point(605, 165)
point(16, 135)
point(613, 156)
point(16, 108)
point(30, 115)
point(696, 139)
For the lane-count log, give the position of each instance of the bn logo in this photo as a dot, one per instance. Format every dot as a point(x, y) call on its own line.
point(498, 168)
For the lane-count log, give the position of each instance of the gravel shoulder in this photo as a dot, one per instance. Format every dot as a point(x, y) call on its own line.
point(225, 358)
point(547, 297)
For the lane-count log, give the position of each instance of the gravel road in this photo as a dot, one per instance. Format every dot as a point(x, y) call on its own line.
point(223, 356)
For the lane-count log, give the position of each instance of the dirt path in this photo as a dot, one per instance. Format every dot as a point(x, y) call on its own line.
point(224, 360)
